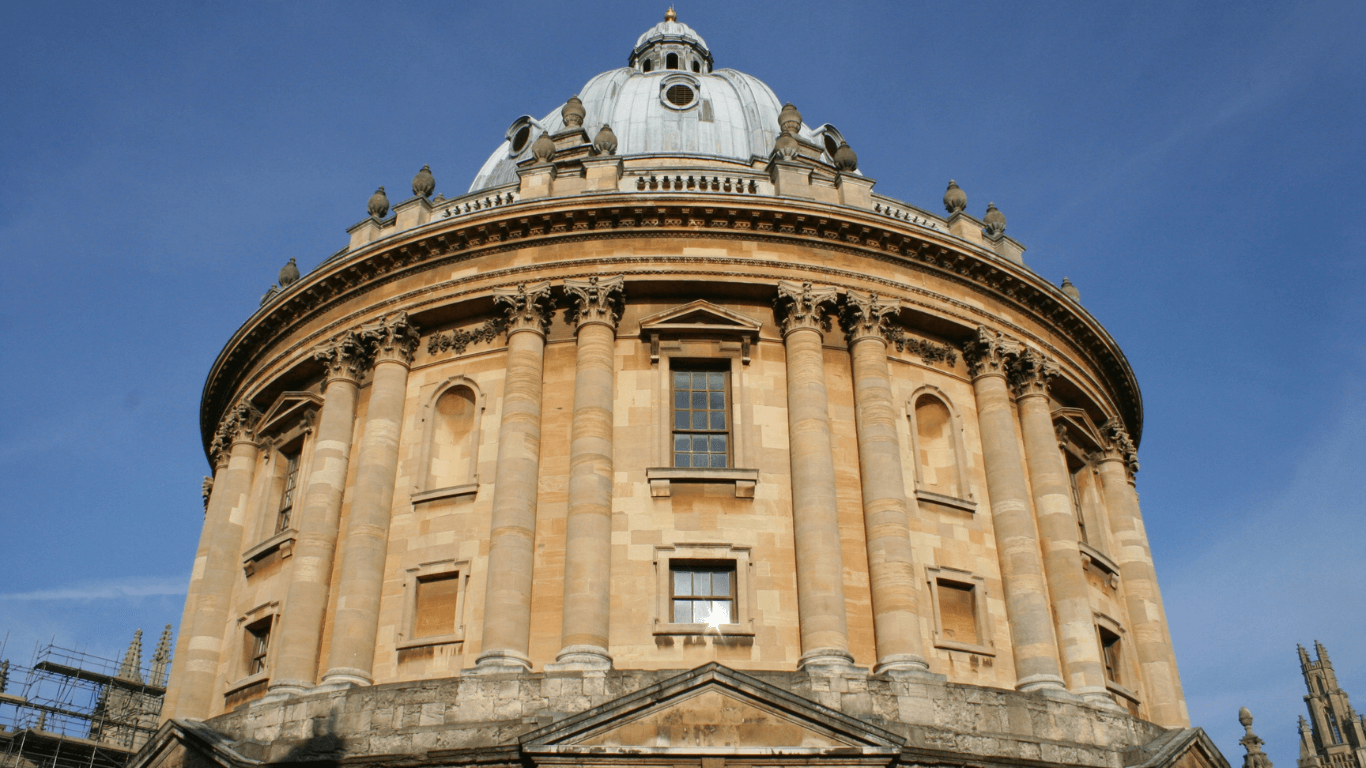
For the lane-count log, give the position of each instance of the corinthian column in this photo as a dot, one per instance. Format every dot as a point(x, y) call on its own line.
point(891, 574)
point(216, 563)
point(1143, 601)
point(596, 308)
point(351, 658)
point(815, 518)
point(1048, 478)
point(507, 596)
point(310, 577)
point(1017, 541)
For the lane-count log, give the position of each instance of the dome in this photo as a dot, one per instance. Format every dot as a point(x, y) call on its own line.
point(667, 101)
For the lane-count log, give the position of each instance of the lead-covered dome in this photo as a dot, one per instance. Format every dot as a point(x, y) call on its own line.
point(667, 101)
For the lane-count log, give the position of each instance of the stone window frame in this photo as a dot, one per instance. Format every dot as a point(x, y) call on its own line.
point(933, 575)
point(427, 418)
point(1128, 668)
point(265, 612)
point(965, 500)
point(460, 569)
point(729, 336)
point(705, 553)
point(286, 426)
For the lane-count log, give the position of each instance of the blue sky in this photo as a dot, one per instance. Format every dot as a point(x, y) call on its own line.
point(1195, 169)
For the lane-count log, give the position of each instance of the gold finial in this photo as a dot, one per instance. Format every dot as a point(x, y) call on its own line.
point(669, 15)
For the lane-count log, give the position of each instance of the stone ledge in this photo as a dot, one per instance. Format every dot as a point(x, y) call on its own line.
point(745, 480)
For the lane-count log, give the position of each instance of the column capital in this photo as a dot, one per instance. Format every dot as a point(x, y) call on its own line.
point(1119, 447)
point(596, 300)
point(989, 353)
point(529, 306)
point(238, 425)
point(344, 357)
point(866, 316)
point(1031, 371)
point(206, 490)
point(803, 305)
point(394, 339)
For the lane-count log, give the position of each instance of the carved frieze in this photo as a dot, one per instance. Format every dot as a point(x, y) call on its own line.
point(394, 338)
point(529, 306)
point(345, 358)
point(1031, 371)
point(596, 300)
point(1118, 445)
point(930, 352)
point(803, 305)
point(461, 339)
point(989, 353)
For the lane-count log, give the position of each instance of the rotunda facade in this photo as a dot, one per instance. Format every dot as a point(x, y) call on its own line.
point(673, 441)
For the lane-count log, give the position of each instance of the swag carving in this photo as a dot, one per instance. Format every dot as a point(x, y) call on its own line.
point(462, 339)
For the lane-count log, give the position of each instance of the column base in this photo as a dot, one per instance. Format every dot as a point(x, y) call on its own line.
point(829, 661)
point(1035, 683)
point(907, 666)
point(341, 678)
point(500, 662)
point(581, 658)
point(284, 689)
point(1100, 699)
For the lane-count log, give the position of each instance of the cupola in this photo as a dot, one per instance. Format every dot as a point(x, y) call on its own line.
point(670, 46)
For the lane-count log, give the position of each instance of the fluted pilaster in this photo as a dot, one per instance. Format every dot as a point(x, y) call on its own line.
point(595, 306)
point(801, 309)
point(392, 343)
point(507, 598)
point(988, 356)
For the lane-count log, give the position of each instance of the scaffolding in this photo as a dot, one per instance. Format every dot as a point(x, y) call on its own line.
point(71, 709)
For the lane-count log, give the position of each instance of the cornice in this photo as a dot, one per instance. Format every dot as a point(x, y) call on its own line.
point(632, 215)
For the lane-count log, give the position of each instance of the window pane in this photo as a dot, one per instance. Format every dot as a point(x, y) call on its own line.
point(716, 381)
point(699, 400)
point(680, 419)
point(718, 460)
point(699, 381)
point(682, 611)
point(717, 400)
point(699, 443)
point(720, 584)
point(682, 583)
point(699, 420)
point(680, 399)
point(718, 444)
point(681, 442)
point(720, 612)
point(681, 380)
point(682, 460)
point(718, 419)
point(700, 460)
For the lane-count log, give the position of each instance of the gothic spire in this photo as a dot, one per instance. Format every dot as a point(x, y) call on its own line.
point(161, 658)
point(131, 668)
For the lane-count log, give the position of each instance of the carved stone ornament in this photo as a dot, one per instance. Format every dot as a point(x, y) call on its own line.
point(803, 305)
point(345, 358)
point(989, 353)
point(955, 199)
point(460, 340)
point(543, 149)
point(1031, 371)
point(1255, 757)
point(378, 206)
point(424, 184)
point(206, 490)
point(393, 339)
point(596, 300)
point(238, 424)
point(606, 141)
point(845, 158)
point(995, 221)
point(573, 113)
point(1119, 445)
point(866, 315)
point(787, 147)
point(529, 306)
point(789, 120)
point(289, 274)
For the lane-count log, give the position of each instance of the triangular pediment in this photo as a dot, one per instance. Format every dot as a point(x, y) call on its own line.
point(711, 710)
point(189, 744)
point(1177, 748)
point(699, 316)
point(287, 410)
point(1080, 428)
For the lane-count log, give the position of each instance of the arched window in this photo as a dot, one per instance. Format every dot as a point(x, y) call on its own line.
point(671, 61)
point(696, 65)
point(450, 448)
point(648, 65)
point(934, 446)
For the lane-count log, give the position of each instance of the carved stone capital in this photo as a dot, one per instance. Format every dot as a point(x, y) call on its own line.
point(393, 339)
point(1118, 445)
point(803, 305)
point(206, 490)
point(345, 358)
point(865, 316)
point(239, 424)
point(529, 306)
point(1030, 372)
point(989, 353)
point(596, 300)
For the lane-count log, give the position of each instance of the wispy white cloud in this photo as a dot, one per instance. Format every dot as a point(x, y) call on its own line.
point(122, 589)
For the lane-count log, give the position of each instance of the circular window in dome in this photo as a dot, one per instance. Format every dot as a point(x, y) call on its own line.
point(680, 95)
point(519, 141)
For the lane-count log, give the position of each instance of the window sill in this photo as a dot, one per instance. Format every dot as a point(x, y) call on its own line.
point(468, 489)
point(660, 477)
point(1090, 556)
point(283, 541)
point(724, 630)
point(953, 645)
point(423, 642)
point(966, 505)
point(247, 682)
point(1120, 690)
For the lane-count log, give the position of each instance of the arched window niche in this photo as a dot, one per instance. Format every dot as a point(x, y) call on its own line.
point(937, 451)
point(451, 421)
point(671, 61)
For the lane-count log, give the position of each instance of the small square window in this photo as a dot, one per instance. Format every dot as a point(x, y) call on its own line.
point(703, 593)
point(960, 613)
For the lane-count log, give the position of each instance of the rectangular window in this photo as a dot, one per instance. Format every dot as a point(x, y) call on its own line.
point(958, 612)
point(701, 425)
point(258, 645)
point(1110, 651)
point(287, 497)
point(703, 593)
point(437, 602)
